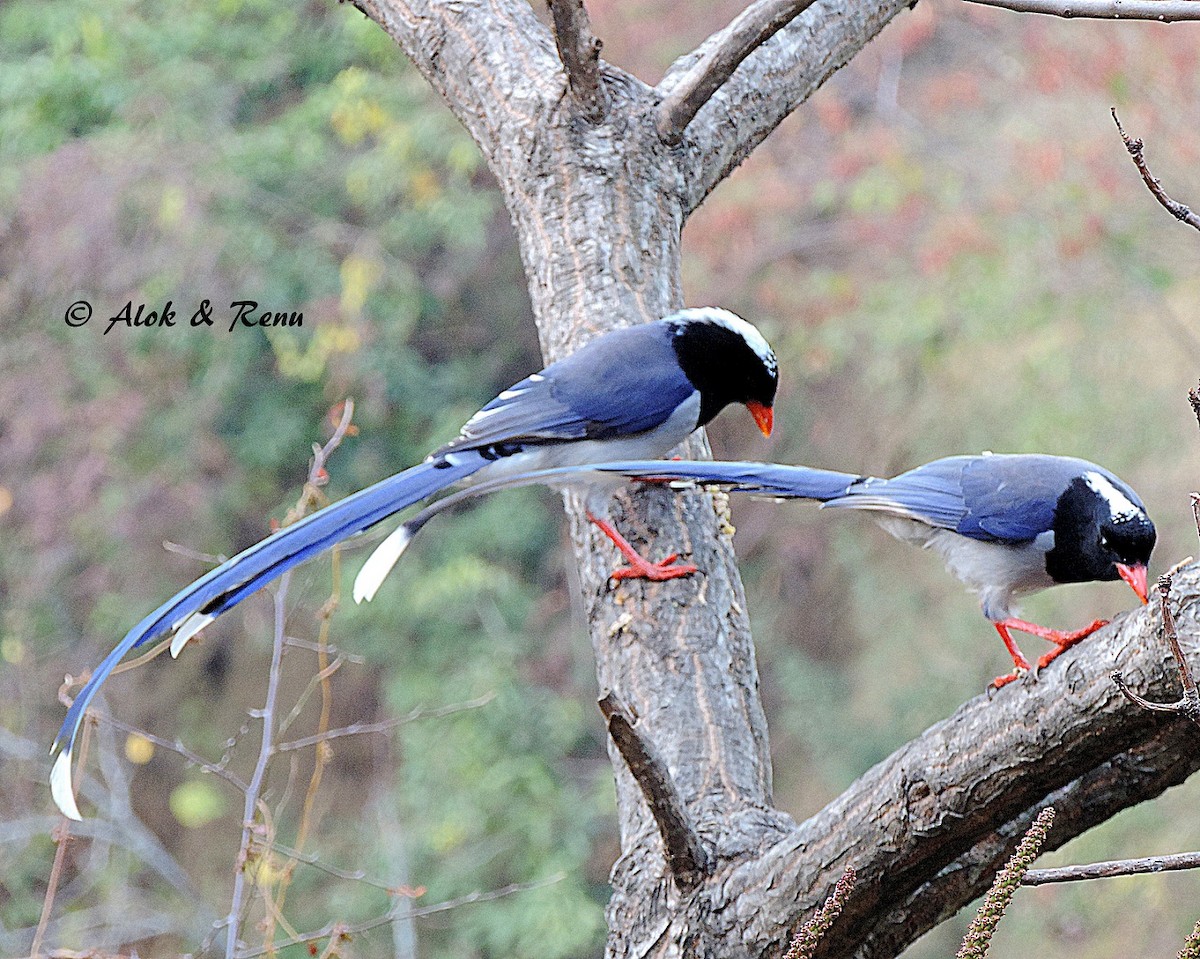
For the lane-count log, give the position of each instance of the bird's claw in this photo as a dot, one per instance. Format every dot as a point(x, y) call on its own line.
point(1026, 672)
point(655, 572)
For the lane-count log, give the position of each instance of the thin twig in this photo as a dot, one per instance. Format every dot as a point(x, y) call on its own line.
point(311, 496)
point(579, 51)
point(749, 30)
point(813, 931)
point(358, 875)
point(395, 915)
point(1115, 867)
point(1135, 147)
point(1189, 703)
point(61, 835)
point(217, 769)
point(1194, 399)
point(341, 654)
point(355, 729)
point(687, 859)
point(254, 790)
point(1163, 11)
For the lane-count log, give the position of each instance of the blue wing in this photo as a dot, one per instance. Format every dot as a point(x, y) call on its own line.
point(992, 498)
point(625, 383)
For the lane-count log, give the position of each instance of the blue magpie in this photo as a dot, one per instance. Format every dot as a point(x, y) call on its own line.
point(1005, 524)
point(631, 393)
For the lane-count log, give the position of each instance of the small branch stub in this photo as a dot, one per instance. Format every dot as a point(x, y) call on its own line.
point(687, 859)
point(579, 51)
point(1136, 148)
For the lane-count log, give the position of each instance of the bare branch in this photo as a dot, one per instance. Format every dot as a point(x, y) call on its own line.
point(1135, 147)
point(1163, 11)
point(579, 51)
point(687, 859)
point(1115, 867)
point(1189, 703)
point(922, 820)
point(753, 27)
point(267, 715)
point(61, 835)
point(395, 914)
point(386, 725)
point(1137, 775)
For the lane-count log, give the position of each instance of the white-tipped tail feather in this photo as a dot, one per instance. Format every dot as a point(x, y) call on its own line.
point(60, 786)
point(379, 564)
point(187, 629)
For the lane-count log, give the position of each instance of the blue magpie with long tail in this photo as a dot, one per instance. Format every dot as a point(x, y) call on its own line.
point(1007, 525)
point(632, 393)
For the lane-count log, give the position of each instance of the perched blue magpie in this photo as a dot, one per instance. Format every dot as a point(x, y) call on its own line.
point(631, 393)
point(1006, 525)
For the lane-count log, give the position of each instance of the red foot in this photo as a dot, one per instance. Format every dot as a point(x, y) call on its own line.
point(639, 567)
point(1062, 641)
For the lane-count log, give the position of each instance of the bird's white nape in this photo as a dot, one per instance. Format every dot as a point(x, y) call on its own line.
point(187, 629)
point(731, 321)
point(387, 554)
point(1120, 505)
point(60, 786)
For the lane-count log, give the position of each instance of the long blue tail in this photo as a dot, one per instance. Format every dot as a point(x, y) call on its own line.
point(759, 479)
point(189, 610)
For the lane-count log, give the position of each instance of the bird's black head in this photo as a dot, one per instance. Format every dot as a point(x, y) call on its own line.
point(728, 361)
point(1101, 532)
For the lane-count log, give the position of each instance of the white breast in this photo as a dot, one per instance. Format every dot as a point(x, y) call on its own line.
point(996, 572)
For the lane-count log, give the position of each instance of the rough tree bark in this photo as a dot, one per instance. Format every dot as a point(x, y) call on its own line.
point(599, 173)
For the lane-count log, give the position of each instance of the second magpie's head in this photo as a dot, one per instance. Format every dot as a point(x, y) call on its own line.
point(1101, 532)
point(728, 361)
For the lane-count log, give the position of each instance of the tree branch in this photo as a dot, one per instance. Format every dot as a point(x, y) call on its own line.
point(687, 859)
point(746, 33)
point(579, 51)
point(1164, 11)
point(916, 820)
point(1115, 867)
point(1135, 147)
point(1138, 775)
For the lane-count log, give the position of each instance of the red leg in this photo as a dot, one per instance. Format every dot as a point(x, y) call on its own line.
point(639, 567)
point(1020, 663)
point(1062, 640)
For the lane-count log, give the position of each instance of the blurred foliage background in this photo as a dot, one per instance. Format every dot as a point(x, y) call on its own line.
point(948, 247)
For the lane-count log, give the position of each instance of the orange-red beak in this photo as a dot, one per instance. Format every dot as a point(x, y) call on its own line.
point(1135, 576)
point(763, 415)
